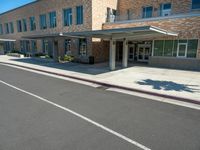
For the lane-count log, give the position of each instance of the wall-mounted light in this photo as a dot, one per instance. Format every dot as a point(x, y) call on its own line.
point(61, 34)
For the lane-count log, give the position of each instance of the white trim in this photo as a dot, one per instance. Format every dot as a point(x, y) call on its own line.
point(152, 48)
point(188, 15)
point(186, 44)
point(198, 49)
point(7, 40)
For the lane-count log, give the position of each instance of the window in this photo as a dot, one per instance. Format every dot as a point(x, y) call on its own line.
point(67, 17)
point(168, 48)
point(19, 25)
point(82, 47)
point(1, 29)
point(192, 48)
point(32, 23)
point(79, 15)
point(24, 25)
point(52, 19)
point(165, 9)
point(7, 28)
point(43, 21)
point(147, 12)
point(11, 27)
point(158, 47)
point(176, 48)
point(67, 46)
point(182, 50)
point(129, 14)
point(195, 4)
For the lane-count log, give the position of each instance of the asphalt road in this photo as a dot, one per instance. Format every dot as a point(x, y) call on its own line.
point(28, 123)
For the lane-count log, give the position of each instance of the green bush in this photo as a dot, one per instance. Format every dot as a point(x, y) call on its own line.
point(68, 58)
point(47, 56)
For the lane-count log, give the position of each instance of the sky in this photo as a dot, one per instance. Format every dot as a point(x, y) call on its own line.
point(6, 5)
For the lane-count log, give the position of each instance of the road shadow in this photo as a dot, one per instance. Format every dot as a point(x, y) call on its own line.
point(169, 86)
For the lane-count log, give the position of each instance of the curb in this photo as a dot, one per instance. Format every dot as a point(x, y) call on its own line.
point(111, 85)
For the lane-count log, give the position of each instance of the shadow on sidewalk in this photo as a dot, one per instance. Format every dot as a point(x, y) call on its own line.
point(95, 69)
point(169, 86)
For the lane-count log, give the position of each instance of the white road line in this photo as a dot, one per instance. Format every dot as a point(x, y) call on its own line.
point(80, 116)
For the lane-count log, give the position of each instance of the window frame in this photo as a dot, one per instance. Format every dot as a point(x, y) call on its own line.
point(192, 7)
point(162, 8)
point(144, 15)
point(11, 26)
point(79, 15)
point(52, 23)
point(19, 25)
point(43, 23)
point(32, 23)
point(7, 30)
point(186, 46)
point(68, 17)
point(24, 25)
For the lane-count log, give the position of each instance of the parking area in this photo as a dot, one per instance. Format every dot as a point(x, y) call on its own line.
point(40, 112)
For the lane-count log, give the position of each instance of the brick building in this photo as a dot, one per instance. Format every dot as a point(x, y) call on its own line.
point(163, 33)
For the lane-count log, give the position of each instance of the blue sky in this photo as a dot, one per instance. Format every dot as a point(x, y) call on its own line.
point(6, 5)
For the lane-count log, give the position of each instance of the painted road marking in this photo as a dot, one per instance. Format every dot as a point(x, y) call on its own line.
point(80, 116)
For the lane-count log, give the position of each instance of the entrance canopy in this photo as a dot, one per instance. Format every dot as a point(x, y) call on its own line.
point(120, 33)
point(7, 40)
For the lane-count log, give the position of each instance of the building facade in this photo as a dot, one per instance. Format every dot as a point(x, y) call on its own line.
point(164, 33)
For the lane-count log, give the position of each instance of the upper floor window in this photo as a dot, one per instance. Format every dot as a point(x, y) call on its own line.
point(195, 4)
point(7, 31)
point(1, 29)
point(11, 27)
point(32, 23)
point(24, 25)
point(67, 14)
point(79, 15)
point(43, 21)
point(52, 19)
point(165, 9)
point(147, 12)
point(19, 25)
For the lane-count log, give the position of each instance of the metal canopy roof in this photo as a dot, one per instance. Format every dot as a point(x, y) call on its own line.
point(7, 40)
point(120, 33)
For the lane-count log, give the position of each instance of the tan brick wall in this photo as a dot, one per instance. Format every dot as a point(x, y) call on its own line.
point(44, 7)
point(99, 16)
point(135, 7)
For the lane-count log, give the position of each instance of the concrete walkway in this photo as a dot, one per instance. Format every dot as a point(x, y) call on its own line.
point(178, 83)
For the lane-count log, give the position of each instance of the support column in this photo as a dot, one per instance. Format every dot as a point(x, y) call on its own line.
point(112, 54)
point(125, 54)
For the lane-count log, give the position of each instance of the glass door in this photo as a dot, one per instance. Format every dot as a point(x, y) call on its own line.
point(131, 53)
point(182, 50)
point(143, 52)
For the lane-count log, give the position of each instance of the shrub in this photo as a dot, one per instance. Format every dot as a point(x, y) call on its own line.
point(68, 58)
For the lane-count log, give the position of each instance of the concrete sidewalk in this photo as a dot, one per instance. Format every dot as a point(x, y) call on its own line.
point(157, 81)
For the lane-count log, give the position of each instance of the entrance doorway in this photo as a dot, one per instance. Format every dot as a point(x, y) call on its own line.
point(131, 52)
point(144, 52)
